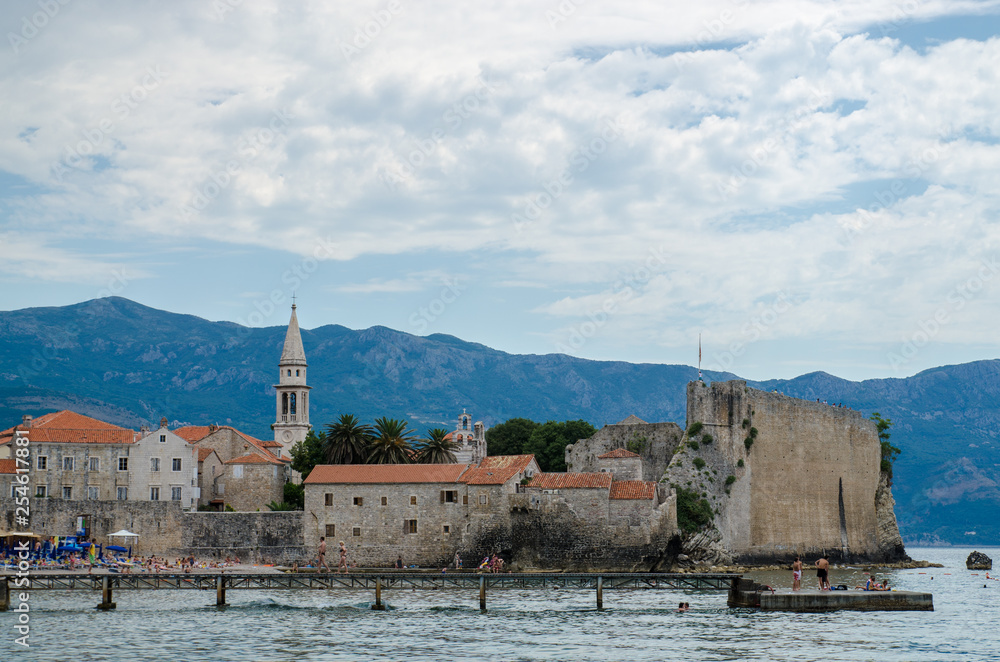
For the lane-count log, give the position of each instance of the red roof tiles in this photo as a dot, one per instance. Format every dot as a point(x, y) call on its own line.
point(633, 489)
point(497, 469)
point(8, 466)
point(385, 473)
point(69, 427)
point(558, 481)
point(616, 453)
point(193, 433)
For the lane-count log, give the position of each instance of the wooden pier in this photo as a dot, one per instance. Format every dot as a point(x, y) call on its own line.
point(378, 582)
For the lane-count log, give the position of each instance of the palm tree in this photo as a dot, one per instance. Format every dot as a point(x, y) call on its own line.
point(347, 441)
point(435, 449)
point(391, 443)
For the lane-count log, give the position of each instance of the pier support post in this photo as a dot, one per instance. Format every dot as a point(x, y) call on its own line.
point(5, 594)
point(600, 594)
point(378, 606)
point(220, 591)
point(482, 592)
point(107, 603)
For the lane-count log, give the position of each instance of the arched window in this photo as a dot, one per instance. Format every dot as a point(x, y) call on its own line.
point(296, 373)
point(460, 438)
point(291, 404)
point(289, 372)
point(465, 423)
point(284, 403)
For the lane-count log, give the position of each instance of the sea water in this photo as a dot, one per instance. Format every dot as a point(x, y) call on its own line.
point(170, 625)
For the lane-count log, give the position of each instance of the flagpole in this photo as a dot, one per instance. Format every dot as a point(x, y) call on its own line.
point(699, 356)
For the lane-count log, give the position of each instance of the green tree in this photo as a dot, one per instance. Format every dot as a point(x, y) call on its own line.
point(548, 442)
point(510, 438)
point(889, 452)
point(347, 441)
point(693, 512)
point(294, 494)
point(308, 453)
point(436, 449)
point(392, 442)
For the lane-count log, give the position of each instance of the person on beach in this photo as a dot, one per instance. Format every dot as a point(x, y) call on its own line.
point(343, 558)
point(458, 561)
point(823, 573)
point(797, 574)
point(322, 554)
point(399, 562)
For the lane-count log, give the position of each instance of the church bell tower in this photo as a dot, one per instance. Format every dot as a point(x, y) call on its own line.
point(291, 423)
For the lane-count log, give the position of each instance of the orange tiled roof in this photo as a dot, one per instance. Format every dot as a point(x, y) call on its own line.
point(497, 469)
point(558, 481)
point(633, 489)
point(193, 433)
point(203, 453)
point(349, 474)
point(64, 420)
point(616, 453)
point(8, 466)
point(253, 458)
point(262, 446)
point(86, 436)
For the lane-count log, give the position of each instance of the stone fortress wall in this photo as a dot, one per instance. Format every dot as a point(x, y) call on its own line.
point(805, 476)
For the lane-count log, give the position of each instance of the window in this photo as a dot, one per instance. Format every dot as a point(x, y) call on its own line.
point(449, 496)
point(357, 531)
point(296, 373)
point(289, 372)
point(331, 530)
point(482, 499)
point(154, 464)
point(95, 464)
point(328, 501)
point(67, 492)
point(93, 493)
point(465, 499)
point(176, 493)
point(238, 471)
point(385, 501)
point(154, 494)
point(413, 500)
point(122, 493)
point(13, 490)
point(447, 529)
point(359, 501)
point(163, 438)
point(67, 464)
point(409, 526)
point(175, 464)
point(40, 490)
point(123, 464)
point(43, 462)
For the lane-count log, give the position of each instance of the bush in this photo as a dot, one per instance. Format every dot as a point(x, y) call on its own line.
point(748, 442)
point(693, 445)
point(692, 513)
point(746, 423)
point(637, 444)
point(294, 494)
point(694, 429)
point(730, 479)
point(739, 463)
point(699, 463)
point(707, 439)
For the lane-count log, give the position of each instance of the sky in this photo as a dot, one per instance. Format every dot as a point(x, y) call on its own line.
point(803, 185)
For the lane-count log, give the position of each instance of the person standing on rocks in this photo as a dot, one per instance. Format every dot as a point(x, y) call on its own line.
point(823, 573)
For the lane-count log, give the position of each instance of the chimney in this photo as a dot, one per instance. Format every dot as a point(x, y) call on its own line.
point(213, 427)
point(26, 421)
point(143, 429)
point(163, 422)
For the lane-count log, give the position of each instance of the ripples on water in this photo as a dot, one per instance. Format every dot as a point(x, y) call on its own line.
point(520, 625)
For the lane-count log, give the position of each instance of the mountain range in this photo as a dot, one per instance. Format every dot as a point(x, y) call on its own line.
point(129, 364)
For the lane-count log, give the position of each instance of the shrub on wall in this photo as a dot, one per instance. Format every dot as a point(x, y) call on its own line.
point(699, 463)
point(695, 428)
point(693, 513)
point(707, 439)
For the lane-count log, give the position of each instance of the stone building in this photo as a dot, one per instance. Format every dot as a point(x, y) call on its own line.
point(77, 457)
point(655, 443)
point(8, 474)
point(251, 482)
point(622, 464)
point(210, 469)
point(164, 467)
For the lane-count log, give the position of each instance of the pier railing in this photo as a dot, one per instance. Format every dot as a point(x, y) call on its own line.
point(377, 581)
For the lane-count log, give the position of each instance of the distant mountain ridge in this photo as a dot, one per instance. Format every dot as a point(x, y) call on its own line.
point(130, 364)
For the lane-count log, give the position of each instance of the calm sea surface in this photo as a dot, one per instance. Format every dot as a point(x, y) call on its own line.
point(520, 625)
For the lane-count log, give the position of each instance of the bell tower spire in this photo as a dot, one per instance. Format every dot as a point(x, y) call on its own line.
point(291, 422)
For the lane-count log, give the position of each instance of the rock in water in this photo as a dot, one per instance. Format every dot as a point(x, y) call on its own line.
point(978, 561)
